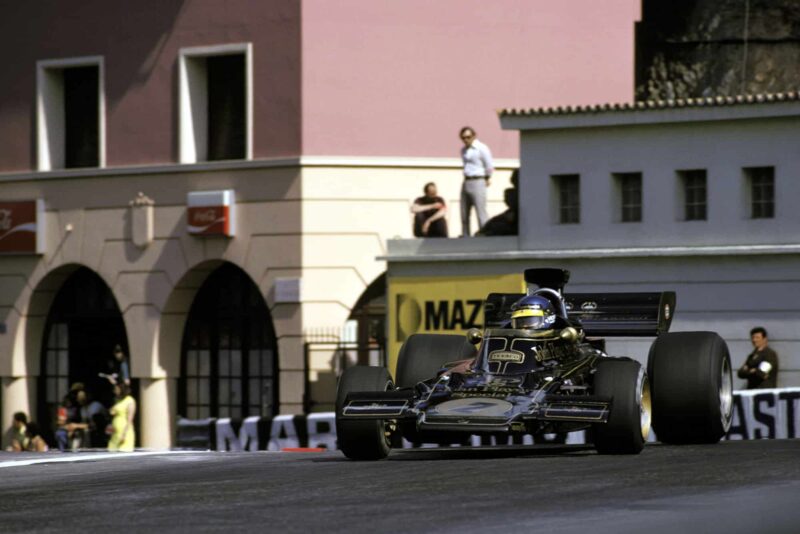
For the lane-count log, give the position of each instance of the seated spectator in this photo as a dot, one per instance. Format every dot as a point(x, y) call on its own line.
point(35, 441)
point(429, 212)
point(507, 223)
point(71, 430)
point(94, 419)
point(19, 438)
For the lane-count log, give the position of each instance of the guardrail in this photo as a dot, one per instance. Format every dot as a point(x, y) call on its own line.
point(757, 414)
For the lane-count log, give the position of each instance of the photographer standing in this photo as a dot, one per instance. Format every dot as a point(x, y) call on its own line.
point(760, 369)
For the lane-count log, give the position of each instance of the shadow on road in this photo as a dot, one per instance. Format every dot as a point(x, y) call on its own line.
point(479, 453)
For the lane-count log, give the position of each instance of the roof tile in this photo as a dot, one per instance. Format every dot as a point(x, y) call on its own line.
point(737, 100)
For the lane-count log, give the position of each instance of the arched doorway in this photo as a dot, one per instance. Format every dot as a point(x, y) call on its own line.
point(83, 325)
point(229, 350)
point(370, 316)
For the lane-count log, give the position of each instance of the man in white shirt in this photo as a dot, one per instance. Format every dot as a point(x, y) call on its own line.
point(478, 169)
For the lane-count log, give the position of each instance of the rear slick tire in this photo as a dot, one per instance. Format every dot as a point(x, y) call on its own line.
point(692, 385)
point(366, 439)
point(628, 425)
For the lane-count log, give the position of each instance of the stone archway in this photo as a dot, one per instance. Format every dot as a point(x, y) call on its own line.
point(229, 363)
point(83, 324)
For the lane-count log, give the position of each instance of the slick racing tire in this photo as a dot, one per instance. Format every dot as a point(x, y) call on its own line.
point(366, 439)
point(692, 387)
point(626, 383)
point(423, 355)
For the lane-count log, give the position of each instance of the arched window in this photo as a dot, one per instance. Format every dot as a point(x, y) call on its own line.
point(228, 365)
point(83, 326)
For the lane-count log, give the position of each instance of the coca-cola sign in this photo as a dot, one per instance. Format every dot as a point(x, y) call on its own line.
point(21, 227)
point(211, 213)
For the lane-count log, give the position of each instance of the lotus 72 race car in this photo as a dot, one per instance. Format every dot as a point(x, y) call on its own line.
point(540, 367)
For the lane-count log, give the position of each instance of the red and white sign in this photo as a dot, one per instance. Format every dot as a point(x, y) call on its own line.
point(22, 227)
point(211, 213)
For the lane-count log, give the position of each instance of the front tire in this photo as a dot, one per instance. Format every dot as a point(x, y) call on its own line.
point(692, 387)
point(628, 425)
point(366, 439)
point(423, 355)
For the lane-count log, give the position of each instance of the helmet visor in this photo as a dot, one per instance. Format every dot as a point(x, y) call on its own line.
point(528, 319)
point(534, 322)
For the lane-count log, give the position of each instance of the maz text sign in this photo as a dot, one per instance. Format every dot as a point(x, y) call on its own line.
point(448, 305)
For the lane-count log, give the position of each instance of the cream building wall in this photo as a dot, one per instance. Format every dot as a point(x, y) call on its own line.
point(88, 224)
point(325, 222)
point(350, 209)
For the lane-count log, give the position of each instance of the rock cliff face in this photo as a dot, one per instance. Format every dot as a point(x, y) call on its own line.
point(693, 48)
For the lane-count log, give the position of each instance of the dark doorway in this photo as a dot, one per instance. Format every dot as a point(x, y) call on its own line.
point(229, 354)
point(82, 328)
point(370, 313)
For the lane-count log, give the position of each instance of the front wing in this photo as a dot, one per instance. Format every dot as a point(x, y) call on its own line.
point(476, 414)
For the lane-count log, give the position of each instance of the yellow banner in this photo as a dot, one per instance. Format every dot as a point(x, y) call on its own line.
point(450, 305)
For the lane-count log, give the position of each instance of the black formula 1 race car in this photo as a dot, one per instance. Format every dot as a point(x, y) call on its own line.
point(540, 367)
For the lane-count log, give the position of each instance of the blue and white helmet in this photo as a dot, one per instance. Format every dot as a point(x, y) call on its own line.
point(533, 312)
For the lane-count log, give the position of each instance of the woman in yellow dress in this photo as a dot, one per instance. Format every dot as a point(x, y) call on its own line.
point(122, 413)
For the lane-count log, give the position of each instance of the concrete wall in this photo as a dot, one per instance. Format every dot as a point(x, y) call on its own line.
point(658, 151)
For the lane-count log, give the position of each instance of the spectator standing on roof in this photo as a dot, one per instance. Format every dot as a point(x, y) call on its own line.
point(760, 369)
point(429, 211)
point(478, 169)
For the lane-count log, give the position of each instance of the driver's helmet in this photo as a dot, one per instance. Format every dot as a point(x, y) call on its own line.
point(533, 312)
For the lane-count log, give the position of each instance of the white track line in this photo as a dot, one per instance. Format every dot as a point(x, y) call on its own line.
point(70, 457)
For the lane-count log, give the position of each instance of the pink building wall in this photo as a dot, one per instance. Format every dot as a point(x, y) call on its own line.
point(331, 77)
point(391, 78)
point(140, 42)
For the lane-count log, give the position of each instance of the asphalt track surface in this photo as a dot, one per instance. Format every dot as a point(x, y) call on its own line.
point(732, 487)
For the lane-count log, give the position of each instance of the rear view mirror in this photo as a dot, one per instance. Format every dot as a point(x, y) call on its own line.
point(569, 334)
point(474, 336)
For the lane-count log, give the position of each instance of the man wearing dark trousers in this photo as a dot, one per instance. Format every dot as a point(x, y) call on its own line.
point(760, 369)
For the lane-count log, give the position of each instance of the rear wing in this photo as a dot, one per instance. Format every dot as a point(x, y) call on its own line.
point(600, 314)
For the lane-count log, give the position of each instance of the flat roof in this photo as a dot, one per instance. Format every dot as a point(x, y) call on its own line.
point(505, 248)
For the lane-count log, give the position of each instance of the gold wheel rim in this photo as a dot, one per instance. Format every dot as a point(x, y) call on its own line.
point(645, 407)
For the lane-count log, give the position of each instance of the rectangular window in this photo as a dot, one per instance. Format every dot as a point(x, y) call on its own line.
point(81, 134)
point(70, 113)
point(226, 107)
point(694, 194)
point(569, 202)
point(762, 191)
point(629, 186)
point(215, 103)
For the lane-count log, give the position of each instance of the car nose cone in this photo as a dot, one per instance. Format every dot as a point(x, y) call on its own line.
point(473, 407)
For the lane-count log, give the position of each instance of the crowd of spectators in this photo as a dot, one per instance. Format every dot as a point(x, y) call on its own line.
point(82, 422)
